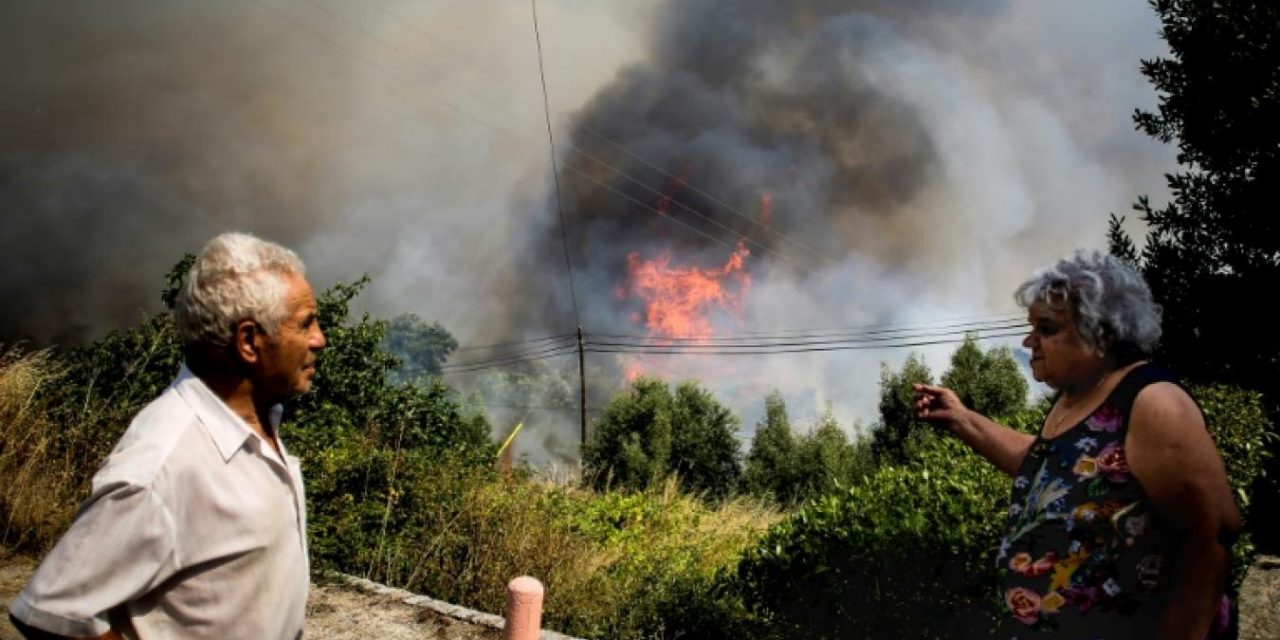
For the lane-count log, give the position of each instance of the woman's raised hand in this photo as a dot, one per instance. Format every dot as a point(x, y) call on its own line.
point(937, 405)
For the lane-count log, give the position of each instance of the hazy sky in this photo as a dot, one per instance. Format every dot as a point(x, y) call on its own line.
point(927, 154)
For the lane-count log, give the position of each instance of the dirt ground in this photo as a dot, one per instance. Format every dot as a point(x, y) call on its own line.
point(1260, 600)
point(333, 612)
point(343, 613)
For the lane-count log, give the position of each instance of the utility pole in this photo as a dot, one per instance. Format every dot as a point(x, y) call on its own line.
point(582, 382)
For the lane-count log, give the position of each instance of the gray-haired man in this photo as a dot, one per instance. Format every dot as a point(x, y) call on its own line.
point(195, 526)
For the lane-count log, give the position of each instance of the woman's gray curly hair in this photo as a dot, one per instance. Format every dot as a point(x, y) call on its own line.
point(236, 277)
point(1112, 304)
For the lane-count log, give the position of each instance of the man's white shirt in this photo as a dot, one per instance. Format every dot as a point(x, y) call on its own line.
point(195, 528)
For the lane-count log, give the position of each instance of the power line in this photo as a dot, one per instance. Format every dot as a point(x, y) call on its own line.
point(651, 208)
point(856, 346)
point(514, 358)
point(699, 347)
point(714, 199)
point(511, 363)
point(682, 205)
point(533, 351)
point(851, 333)
point(722, 350)
point(867, 336)
point(879, 327)
point(531, 341)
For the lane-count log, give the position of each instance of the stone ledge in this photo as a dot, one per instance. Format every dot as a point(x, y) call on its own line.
point(439, 606)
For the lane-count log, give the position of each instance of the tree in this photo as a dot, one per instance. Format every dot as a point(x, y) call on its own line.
point(988, 382)
point(704, 442)
point(770, 467)
point(1218, 242)
point(792, 469)
point(631, 441)
point(897, 408)
point(826, 460)
point(1216, 245)
point(649, 434)
point(421, 348)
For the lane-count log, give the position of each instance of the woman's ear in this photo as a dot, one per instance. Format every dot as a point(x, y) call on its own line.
point(1104, 341)
point(246, 342)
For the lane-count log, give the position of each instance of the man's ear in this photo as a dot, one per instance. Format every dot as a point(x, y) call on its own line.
point(246, 343)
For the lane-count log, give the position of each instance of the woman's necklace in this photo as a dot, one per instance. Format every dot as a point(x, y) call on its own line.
point(1052, 430)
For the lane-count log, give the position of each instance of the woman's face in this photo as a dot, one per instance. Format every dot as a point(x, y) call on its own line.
point(1059, 355)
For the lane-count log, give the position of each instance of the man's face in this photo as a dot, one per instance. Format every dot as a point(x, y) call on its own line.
point(288, 360)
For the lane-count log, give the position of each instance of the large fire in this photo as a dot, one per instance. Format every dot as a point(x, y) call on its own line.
point(680, 302)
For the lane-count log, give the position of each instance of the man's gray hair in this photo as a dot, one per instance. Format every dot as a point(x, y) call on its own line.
point(236, 277)
point(1112, 304)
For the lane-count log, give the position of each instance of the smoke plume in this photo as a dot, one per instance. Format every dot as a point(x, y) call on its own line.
point(881, 162)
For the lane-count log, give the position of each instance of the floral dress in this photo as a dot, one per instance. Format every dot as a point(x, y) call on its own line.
point(1084, 554)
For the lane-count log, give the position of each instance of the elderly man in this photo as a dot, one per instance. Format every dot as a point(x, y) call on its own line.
point(195, 526)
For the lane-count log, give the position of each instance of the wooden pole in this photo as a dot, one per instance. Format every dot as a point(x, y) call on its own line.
point(582, 383)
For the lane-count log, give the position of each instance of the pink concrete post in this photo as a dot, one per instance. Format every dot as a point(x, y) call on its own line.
point(524, 609)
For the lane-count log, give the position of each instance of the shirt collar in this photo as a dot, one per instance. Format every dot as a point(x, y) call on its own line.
point(228, 430)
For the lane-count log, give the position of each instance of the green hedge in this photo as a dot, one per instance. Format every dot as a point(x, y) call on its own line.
point(908, 551)
point(905, 553)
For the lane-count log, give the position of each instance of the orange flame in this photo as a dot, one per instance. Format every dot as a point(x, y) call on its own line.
point(678, 299)
point(680, 302)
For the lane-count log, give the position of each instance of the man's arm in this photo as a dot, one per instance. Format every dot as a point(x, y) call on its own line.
point(120, 546)
point(32, 633)
point(1170, 452)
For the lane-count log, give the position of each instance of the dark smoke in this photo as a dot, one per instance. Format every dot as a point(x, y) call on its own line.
point(742, 99)
point(131, 132)
point(921, 156)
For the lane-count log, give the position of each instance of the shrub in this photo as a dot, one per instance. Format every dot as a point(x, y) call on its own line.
point(649, 434)
point(905, 553)
point(1237, 420)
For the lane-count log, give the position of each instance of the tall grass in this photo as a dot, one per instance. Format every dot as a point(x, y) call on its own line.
point(615, 565)
point(41, 482)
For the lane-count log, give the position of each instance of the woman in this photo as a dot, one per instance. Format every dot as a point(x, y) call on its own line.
point(1121, 518)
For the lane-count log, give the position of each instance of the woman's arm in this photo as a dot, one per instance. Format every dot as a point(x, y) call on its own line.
point(1170, 452)
point(1000, 445)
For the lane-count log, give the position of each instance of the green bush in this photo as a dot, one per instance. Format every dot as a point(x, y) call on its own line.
point(906, 553)
point(649, 434)
point(1237, 420)
point(790, 469)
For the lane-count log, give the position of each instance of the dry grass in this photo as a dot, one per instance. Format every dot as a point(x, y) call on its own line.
point(41, 485)
point(597, 554)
